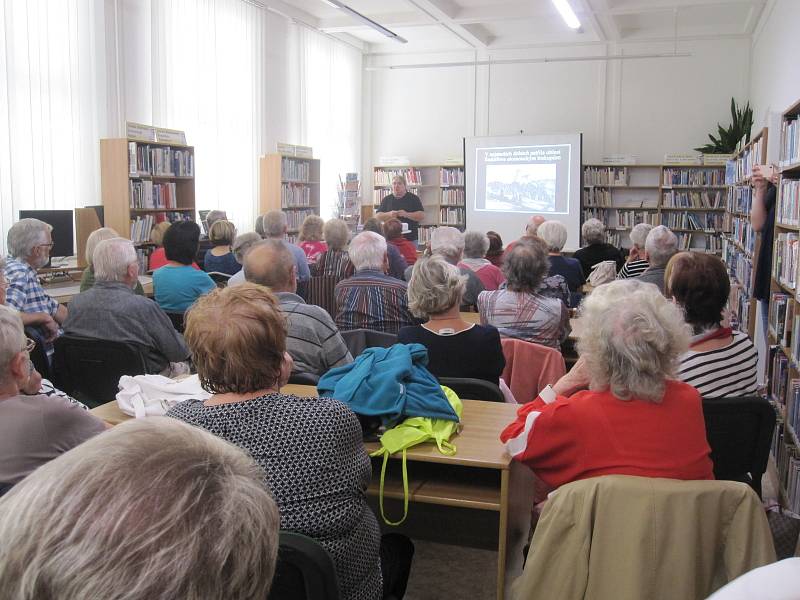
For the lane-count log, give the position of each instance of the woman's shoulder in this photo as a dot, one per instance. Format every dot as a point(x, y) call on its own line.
point(674, 388)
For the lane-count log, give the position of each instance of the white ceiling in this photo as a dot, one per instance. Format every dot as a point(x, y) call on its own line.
point(483, 25)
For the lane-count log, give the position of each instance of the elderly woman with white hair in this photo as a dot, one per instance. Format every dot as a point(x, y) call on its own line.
point(275, 225)
point(154, 508)
point(661, 245)
point(241, 246)
point(97, 236)
point(334, 261)
point(596, 249)
point(34, 428)
point(620, 410)
point(476, 244)
point(456, 348)
point(636, 263)
point(554, 235)
point(448, 242)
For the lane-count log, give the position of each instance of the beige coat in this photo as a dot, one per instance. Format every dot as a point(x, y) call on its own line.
point(635, 538)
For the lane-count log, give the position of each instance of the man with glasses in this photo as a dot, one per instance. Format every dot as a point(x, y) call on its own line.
point(29, 245)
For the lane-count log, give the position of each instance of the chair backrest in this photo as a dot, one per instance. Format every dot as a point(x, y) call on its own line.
point(304, 378)
point(358, 340)
point(305, 570)
point(473, 389)
point(530, 368)
point(221, 279)
point(39, 354)
point(739, 431)
point(5, 488)
point(89, 369)
point(178, 320)
point(320, 291)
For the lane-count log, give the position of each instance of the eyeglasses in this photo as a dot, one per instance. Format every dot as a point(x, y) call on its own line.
point(29, 344)
point(50, 245)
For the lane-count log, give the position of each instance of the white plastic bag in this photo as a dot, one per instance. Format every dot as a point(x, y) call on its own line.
point(153, 395)
point(603, 272)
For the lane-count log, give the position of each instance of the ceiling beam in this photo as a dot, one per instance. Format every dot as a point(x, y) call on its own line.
point(401, 19)
point(604, 24)
point(444, 12)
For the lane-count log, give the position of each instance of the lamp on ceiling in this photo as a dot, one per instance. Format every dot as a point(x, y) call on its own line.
point(566, 12)
point(366, 20)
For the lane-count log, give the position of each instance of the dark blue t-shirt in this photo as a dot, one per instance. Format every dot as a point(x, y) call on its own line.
point(221, 264)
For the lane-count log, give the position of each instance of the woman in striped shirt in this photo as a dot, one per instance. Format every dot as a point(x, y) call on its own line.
point(720, 362)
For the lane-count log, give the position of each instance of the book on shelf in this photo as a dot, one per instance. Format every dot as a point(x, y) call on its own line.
point(780, 317)
point(295, 218)
point(295, 170)
point(740, 199)
point(675, 199)
point(630, 218)
point(708, 222)
point(596, 197)
point(142, 225)
point(788, 211)
point(453, 197)
point(790, 141)
point(694, 176)
point(451, 176)
point(749, 158)
point(449, 215)
point(784, 259)
point(294, 195)
point(147, 160)
point(145, 194)
point(779, 378)
point(384, 176)
point(742, 231)
point(611, 176)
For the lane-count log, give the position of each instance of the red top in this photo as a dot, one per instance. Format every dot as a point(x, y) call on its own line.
point(407, 249)
point(594, 433)
point(158, 259)
point(313, 250)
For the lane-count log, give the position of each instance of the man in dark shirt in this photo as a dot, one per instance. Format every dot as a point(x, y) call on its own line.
point(402, 204)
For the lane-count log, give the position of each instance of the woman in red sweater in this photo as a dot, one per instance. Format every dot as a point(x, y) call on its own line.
point(619, 410)
point(393, 229)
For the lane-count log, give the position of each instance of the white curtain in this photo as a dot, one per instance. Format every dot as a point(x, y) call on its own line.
point(330, 109)
point(52, 105)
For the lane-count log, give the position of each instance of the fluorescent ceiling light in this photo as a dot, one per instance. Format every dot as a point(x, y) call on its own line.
point(566, 12)
point(366, 20)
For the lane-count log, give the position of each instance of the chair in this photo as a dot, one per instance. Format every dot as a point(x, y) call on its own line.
point(39, 354)
point(221, 279)
point(530, 368)
point(320, 291)
point(304, 378)
point(358, 340)
point(305, 570)
point(5, 488)
point(739, 431)
point(89, 369)
point(178, 320)
point(473, 389)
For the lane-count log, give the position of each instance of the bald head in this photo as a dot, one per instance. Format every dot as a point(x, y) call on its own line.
point(270, 263)
point(533, 224)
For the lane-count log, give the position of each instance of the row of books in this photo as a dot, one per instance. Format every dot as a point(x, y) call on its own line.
point(295, 195)
point(454, 176)
point(295, 170)
point(786, 460)
point(740, 199)
point(740, 265)
point(781, 318)
point(739, 306)
point(792, 418)
point(675, 199)
point(784, 259)
point(779, 376)
point(596, 213)
point(142, 225)
point(614, 238)
point(629, 218)
point(143, 259)
point(749, 158)
point(605, 176)
point(295, 218)
point(693, 176)
point(790, 141)
point(159, 160)
point(451, 215)
point(454, 197)
point(385, 176)
point(698, 221)
point(742, 231)
point(596, 197)
point(788, 209)
point(144, 193)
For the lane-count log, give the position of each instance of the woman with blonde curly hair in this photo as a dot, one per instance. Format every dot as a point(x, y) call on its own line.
point(620, 410)
point(310, 238)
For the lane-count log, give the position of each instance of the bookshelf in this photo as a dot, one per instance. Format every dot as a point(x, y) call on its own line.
point(440, 188)
point(144, 183)
point(290, 184)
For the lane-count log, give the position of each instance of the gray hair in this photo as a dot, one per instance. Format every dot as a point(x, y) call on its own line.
point(25, 235)
point(269, 263)
point(274, 223)
point(593, 232)
point(526, 265)
point(153, 508)
point(660, 245)
point(368, 250)
point(213, 216)
point(632, 339)
point(112, 258)
point(336, 234)
point(243, 243)
point(260, 226)
point(435, 286)
point(554, 235)
point(12, 338)
point(449, 242)
point(97, 236)
point(639, 233)
point(476, 244)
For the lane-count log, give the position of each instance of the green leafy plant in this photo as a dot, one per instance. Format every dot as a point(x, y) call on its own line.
point(741, 124)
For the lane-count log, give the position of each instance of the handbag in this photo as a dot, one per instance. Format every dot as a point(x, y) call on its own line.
point(603, 272)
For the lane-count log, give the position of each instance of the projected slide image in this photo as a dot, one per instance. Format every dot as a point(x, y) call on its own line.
point(521, 187)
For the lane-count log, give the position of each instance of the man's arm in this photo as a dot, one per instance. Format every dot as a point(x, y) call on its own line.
point(758, 211)
point(61, 314)
point(417, 215)
point(43, 320)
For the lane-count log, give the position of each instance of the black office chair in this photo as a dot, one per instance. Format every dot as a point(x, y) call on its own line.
point(89, 369)
point(358, 340)
point(39, 354)
point(473, 389)
point(304, 378)
point(178, 320)
point(305, 570)
point(739, 431)
point(5, 488)
point(221, 279)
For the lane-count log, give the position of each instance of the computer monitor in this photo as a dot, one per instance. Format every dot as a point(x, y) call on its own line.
point(62, 223)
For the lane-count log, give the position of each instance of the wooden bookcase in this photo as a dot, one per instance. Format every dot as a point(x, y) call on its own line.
point(144, 183)
point(290, 184)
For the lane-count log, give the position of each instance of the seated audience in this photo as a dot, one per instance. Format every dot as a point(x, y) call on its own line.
point(394, 235)
point(310, 238)
point(111, 311)
point(661, 244)
point(370, 299)
point(158, 258)
point(97, 236)
point(397, 264)
point(275, 228)
point(220, 258)
point(151, 509)
point(720, 362)
point(456, 348)
point(177, 284)
point(311, 449)
point(531, 229)
point(619, 411)
point(476, 244)
point(29, 243)
point(519, 310)
point(312, 340)
point(596, 249)
point(448, 242)
point(240, 247)
point(34, 428)
point(554, 234)
point(205, 243)
point(495, 252)
point(334, 261)
point(636, 263)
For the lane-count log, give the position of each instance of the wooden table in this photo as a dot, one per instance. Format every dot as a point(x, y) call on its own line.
point(63, 291)
point(480, 476)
